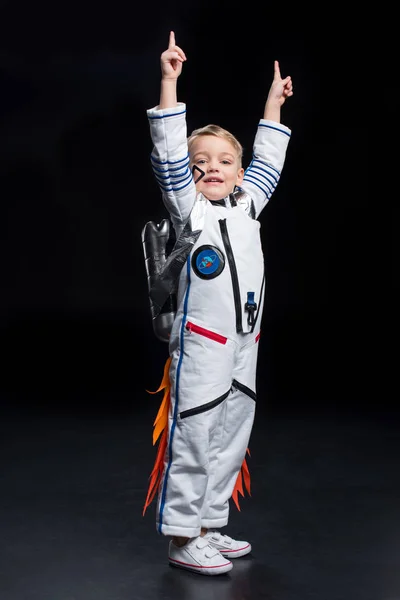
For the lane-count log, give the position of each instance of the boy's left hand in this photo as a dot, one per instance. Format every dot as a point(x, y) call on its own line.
point(280, 88)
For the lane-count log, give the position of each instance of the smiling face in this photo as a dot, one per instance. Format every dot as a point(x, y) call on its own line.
point(220, 161)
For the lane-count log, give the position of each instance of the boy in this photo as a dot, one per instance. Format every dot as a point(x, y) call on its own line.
point(216, 270)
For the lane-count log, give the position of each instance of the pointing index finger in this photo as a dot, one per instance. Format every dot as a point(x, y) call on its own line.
point(171, 39)
point(277, 72)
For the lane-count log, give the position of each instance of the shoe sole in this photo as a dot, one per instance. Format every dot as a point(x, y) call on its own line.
point(217, 570)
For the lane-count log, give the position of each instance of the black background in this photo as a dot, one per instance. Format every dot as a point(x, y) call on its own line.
point(76, 189)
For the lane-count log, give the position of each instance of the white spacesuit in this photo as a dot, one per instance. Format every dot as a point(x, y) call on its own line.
point(216, 271)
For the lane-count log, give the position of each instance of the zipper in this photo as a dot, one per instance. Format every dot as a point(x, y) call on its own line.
point(243, 388)
point(206, 333)
point(234, 275)
point(204, 407)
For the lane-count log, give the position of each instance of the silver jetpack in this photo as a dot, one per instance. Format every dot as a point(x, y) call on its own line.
point(155, 237)
point(163, 267)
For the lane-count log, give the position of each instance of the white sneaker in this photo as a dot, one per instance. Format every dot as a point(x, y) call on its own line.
point(227, 546)
point(199, 556)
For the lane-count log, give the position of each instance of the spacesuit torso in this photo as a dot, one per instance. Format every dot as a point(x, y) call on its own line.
point(225, 273)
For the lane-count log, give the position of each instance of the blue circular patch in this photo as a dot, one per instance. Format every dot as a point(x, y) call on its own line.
point(208, 262)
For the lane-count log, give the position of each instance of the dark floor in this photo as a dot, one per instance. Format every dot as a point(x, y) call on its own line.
point(323, 518)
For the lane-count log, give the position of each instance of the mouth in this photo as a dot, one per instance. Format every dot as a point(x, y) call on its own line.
point(213, 180)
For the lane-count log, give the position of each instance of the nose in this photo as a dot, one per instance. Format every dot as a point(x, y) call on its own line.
point(212, 166)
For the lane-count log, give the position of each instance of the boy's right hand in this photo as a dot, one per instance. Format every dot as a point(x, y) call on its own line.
point(172, 59)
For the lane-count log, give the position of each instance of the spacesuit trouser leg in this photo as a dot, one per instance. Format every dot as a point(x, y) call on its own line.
point(234, 436)
point(201, 378)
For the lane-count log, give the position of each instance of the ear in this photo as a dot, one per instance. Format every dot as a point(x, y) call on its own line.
point(240, 175)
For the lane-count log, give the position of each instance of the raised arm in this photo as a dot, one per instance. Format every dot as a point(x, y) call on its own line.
point(168, 130)
point(270, 144)
point(171, 67)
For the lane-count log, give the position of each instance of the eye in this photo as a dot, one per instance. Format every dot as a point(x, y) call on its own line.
point(226, 162)
point(201, 161)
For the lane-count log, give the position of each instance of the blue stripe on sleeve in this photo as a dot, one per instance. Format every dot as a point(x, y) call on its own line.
point(261, 184)
point(275, 128)
point(173, 114)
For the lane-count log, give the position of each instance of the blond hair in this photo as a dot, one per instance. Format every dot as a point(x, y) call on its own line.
point(218, 132)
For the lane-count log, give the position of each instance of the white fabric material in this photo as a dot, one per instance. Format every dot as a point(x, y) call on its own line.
point(212, 344)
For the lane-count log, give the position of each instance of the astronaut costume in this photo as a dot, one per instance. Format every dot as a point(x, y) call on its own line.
point(217, 272)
